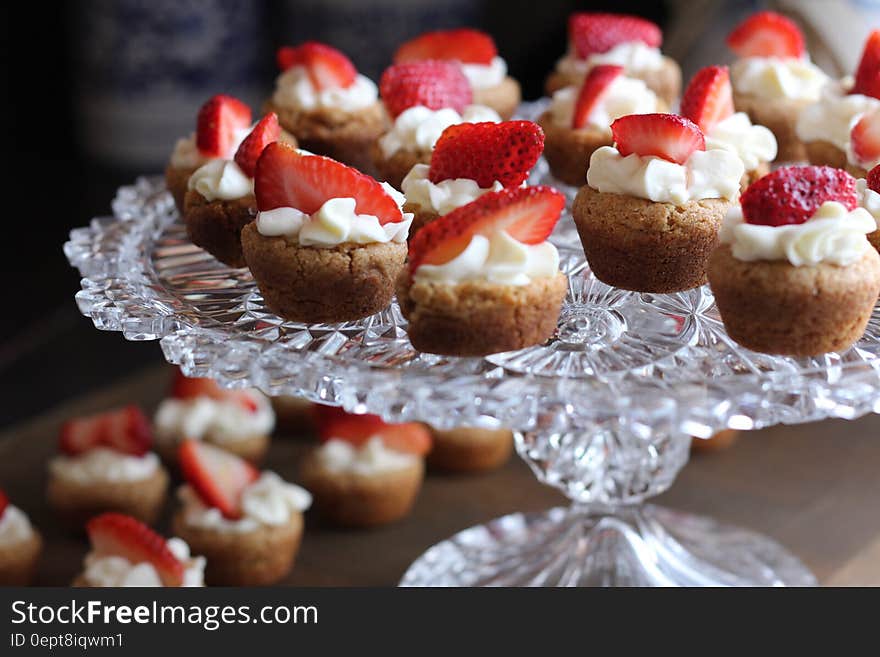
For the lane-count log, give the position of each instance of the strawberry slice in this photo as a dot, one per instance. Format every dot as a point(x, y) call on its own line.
point(791, 195)
point(486, 152)
point(767, 34)
point(218, 120)
point(119, 535)
point(669, 136)
point(409, 437)
point(708, 99)
point(867, 80)
point(286, 178)
point(264, 133)
point(597, 32)
point(185, 387)
point(527, 214)
point(463, 44)
point(217, 476)
point(593, 90)
point(434, 84)
point(873, 179)
point(4, 502)
point(865, 137)
point(125, 430)
point(326, 66)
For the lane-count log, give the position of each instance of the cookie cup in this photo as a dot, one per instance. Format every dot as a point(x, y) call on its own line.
point(503, 97)
point(216, 226)
point(177, 181)
point(314, 285)
point(780, 116)
point(19, 560)
point(394, 169)
point(665, 81)
point(255, 558)
point(351, 499)
point(477, 318)
point(421, 217)
point(469, 449)
point(777, 308)
point(646, 246)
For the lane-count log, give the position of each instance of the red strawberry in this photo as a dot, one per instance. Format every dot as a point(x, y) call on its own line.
point(119, 535)
point(126, 430)
point(323, 413)
point(410, 437)
point(433, 83)
point(791, 195)
point(873, 179)
point(486, 152)
point(865, 137)
point(527, 214)
point(286, 178)
point(595, 86)
point(327, 67)
point(767, 34)
point(596, 32)
point(868, 73)
point(463, 44)
point(708, 98)
point(219, 477)
point(669, 136)
point(264, 133)
point(4, 502)
point(185, 387)
point(218, 120)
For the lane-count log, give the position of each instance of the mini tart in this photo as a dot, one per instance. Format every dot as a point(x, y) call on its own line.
point(720, 441)
point(343, 136)
point(780, 117)
point(477, 318)
point(394, 169)
point(317, 285)
point(469, 449)
point(76, 502)
point(824, 152)
point(176, 181)
point(777, 308)
point(256, 558)
point(645, 246)
point(503, 97)
point(251, 448)
point(216, 225)
point(19, 560)
point(293, 416)
point(351, 499)
point(665, 82)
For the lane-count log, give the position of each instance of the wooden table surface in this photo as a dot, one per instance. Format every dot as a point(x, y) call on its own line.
point(814, 488)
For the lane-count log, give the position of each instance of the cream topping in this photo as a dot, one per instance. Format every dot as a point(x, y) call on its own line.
point(15, 526)
point(497, 259)
point(484, 76)
point(441, 197)
point(267, 501)
point(635, 56)
point(111, 570)
point(832, 118)
point(623, 97)
point(219, 421)
point(221, 180)
point(706, 174)
point(833, 235)
point(294, 90)
point(370, 459)
point(777, 78)
point(418, 128)
point(186, 154)
point(754, 144)
point(104, 465)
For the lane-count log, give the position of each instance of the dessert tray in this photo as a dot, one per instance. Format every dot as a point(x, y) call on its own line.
point(604, 411)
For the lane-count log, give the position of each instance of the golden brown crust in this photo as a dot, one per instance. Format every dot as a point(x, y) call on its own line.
point(720, 441)
point(477, 318)
point(75, 502)
point(257, 558)
point(19, 560)
point(825, 153)
point(354, 500)
point(308, 284)
point(421, 217)
point(665, 82)
point(344, 136)
point(394, 169)
point(176, 180)
point(776, 308)
point(469, 449)
point(641, 245)
point(780, 117)
point(250, 448)
point(216, 225)
point(504, 97)
point(568, 151)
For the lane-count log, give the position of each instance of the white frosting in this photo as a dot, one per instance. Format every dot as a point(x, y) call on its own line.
point(268, 501)
point(635, 56)
point(15, 526)
point(484, 76)
point(219, 421)
point(221, 180)
point(104, 465)
point(444, 196)
point(754, 144)
point(833, 117)
point(371, 458)
point(833, 234)
point(868, 198)
point(623, 97)
point(116, 571)
point(497, 259)
point(294, 89)
point(418, 128)
point(706, 174)
point(186, 154)
point(778, 78)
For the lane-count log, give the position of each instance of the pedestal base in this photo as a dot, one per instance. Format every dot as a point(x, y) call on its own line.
point(635, 546)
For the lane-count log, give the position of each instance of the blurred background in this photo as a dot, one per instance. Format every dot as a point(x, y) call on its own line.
point(96, 92)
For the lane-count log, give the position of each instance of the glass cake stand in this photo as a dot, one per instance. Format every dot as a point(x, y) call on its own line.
point(604, 411)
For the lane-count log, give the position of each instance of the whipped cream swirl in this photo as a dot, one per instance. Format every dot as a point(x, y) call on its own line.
point(777, 78)
point(114, 571)
point(418, 128)
point(221, 180)
point(370, 459)
point(485, 76)
point(441, 197)
point(832, 118)
point(635, 56)
point(754, 144)
point(219, 421)
point(15, 526)
point(104, 465)
point(294, 90)
point(623, 97)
